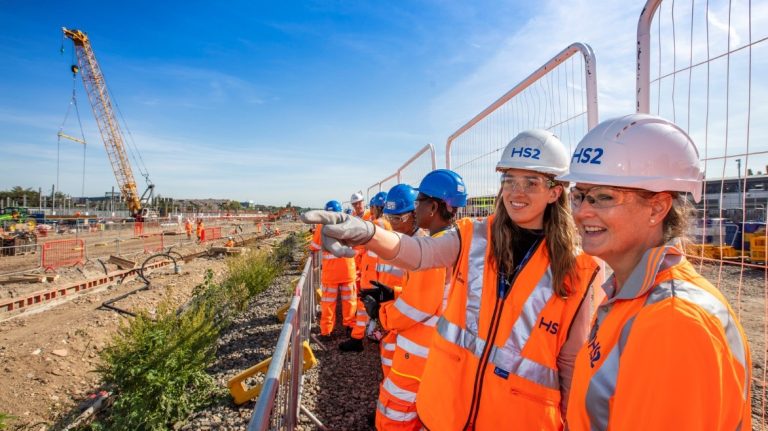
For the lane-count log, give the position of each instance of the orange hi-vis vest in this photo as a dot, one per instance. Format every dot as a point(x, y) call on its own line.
point(493, 362)
point(369, 261)
point(336, 270)
point(360, 250)
point(666, 352)
point(413, 315)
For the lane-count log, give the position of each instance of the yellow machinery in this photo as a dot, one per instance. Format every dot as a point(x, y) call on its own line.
point(98, 95)
point(242, 394)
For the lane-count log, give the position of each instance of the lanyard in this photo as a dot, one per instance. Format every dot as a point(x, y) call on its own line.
point(505, 281)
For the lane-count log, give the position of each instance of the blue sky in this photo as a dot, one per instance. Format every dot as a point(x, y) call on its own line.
point(281, 101)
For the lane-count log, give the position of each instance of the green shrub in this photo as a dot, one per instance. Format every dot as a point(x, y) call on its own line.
point(158, 367)
point(4, 417)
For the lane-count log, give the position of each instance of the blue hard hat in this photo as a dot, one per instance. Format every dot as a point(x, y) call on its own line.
point(400, 199)
point(334, 206)
point(445, 185)
point(348, 211)
point(379, 199)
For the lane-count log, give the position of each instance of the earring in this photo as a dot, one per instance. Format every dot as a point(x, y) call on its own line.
point(653, 221)
point(431, 214)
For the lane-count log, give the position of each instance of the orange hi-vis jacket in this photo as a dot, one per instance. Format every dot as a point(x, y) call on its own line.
point(413, 315)
point(360, 250)
point(666, 352)
point(336, 270)
point(493, 361)
point(368, 264)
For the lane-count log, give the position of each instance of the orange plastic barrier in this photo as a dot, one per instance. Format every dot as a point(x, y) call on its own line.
point(152, 242)
point(63, 252)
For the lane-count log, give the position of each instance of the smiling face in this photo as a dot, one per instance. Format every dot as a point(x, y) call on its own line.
point(618, 225)
point(526, 195)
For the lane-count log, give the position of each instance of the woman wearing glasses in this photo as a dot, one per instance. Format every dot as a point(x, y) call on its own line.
point(505, 345)
point(666, 350)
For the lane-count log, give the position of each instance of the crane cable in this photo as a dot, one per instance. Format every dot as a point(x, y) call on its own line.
point(132, 148)
point(60, 134)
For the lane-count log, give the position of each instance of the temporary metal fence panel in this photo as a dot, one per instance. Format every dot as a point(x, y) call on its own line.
point(560, 96)
point(63, 252)
point(419, 165)
point(704, 65)
point(278, 404)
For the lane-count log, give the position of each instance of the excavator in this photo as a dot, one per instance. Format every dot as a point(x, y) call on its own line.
point(98, 95)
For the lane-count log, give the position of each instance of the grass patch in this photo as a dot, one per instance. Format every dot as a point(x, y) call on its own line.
point(3, 418)
point(157, 367)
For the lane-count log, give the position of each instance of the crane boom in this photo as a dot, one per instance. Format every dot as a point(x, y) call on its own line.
point(96, 88)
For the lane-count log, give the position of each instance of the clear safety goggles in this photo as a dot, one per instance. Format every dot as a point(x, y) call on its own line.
point(600, 197)
point(392, 218)
point(526, 184)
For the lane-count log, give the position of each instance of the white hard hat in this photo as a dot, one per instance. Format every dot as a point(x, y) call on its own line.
point(356, 197)
point(639, 151)
point(535, 150)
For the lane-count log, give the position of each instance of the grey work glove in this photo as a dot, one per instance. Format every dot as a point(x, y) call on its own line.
point(340, 231)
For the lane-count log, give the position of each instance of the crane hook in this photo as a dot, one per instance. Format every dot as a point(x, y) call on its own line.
point(74, 69)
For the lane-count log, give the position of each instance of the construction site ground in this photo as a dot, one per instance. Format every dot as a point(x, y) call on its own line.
point(48, 359)
point(49, 355)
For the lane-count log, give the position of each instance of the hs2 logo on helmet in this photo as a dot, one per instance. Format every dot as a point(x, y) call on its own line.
point(531, 153)
point(588, 155)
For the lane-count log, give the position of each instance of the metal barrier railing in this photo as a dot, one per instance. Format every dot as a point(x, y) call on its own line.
point(411, 172)
point(701, 64)
point(279, 403)
point(560, 96)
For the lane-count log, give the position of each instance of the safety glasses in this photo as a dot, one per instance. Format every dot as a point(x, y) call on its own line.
point(600, 197)
point(402, 218)
point(526, 184)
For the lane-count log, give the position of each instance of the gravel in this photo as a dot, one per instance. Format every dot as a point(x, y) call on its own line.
point(341, 391)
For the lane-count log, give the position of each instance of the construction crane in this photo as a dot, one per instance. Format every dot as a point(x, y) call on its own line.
point(98, 95)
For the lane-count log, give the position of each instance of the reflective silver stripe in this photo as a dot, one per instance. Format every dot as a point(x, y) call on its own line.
point(346, 288)
point(386, 361)
point(453, 333)
point(475, 273)
point(431, 322)
point(315, 245)
point(390, 269)
point(410, 311)
point(371, 254)
point(640, 280)
point(412, 347)
point(390, 346)
point(360, 323)
point(712, 305)
point(508, 359)
point(361, 313)
point(395, 415)
point(528, 318)
point(346, 297)
point(398, 392)
point(329, 289)
point(329, 256)
point(512, 361)
point(602, 385)
point(329, 299)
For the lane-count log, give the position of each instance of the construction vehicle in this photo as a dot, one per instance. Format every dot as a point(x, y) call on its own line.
point(111, 134)
point(14, 214)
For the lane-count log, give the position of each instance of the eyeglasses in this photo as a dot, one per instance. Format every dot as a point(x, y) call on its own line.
point(396, 218)
point(600, 197)
point(528, 184)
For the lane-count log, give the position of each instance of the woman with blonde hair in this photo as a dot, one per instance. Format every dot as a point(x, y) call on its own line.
point(666, 351)
point(518, 308)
